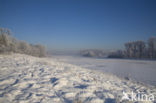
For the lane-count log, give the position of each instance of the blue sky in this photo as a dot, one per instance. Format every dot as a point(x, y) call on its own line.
point(78, 24)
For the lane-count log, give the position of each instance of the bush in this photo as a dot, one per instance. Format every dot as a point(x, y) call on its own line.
point(38, 50)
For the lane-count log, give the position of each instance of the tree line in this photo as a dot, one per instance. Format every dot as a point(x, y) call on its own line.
point(137, 49)
point(10, 44)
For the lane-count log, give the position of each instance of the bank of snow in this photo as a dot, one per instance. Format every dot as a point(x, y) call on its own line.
point(41, 80)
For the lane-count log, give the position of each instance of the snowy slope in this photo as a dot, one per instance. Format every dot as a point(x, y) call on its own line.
point(26, 79)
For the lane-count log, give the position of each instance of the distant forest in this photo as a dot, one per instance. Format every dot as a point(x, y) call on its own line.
point(9, 44)
point(135, 50)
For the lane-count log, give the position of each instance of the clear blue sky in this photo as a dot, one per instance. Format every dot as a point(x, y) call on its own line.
point(75, 24)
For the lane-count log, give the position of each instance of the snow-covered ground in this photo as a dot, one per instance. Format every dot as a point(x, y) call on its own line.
point(139, 70)
point(27, 79)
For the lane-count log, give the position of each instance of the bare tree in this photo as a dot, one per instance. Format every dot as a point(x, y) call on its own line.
point(140, 48)
point(152, 47)
point(135, 49)
point(129, 49)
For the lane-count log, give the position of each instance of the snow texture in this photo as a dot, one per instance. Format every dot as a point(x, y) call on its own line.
point(27, 79)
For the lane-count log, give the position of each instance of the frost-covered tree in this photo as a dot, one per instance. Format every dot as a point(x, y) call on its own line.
point(140, 48)
point(5, 40)
point(135, 49)
point(152, 47)
point(10, 44)
point(128, 47)
point(23, 47)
